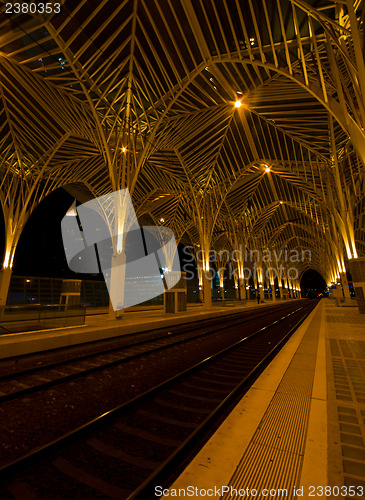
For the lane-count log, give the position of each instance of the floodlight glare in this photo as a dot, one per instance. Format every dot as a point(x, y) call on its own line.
point(238, 104)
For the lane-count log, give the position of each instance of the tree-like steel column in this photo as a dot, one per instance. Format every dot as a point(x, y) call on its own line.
point(20, 194)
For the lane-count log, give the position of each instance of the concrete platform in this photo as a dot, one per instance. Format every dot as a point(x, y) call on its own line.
point(99, 326)
point(301, 427)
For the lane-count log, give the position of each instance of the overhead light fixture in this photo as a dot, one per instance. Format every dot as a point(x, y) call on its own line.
point(162, 220)
point(123, 149)
point(238, 103)
point(267, 169)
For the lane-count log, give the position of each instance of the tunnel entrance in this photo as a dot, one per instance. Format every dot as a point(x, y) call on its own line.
point(313, 285)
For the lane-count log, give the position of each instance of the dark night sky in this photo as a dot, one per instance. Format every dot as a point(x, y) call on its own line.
point(40, 249)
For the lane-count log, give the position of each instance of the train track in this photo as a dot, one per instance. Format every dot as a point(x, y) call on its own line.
point(32, 380)
point(12, 366)
point(125, 452)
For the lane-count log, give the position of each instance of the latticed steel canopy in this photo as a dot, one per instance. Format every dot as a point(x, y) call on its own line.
point(230, 121)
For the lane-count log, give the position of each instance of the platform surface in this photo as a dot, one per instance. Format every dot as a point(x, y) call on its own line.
point(300, 428)
point(99, 326)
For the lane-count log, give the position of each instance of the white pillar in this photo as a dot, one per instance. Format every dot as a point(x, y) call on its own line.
point(117, 285)
point(272, 286)
point(242, 288)
point(236, 281)
point(200, 277)
point(345, 285)
point(292, 289)
point(207, 289)
point(5, 276)
point(284, 291)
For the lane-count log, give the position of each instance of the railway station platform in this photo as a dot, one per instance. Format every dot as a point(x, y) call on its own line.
point(99, 326)
point(299, 432)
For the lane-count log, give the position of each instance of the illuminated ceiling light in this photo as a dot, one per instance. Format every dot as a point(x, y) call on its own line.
point(162, 220)
point(281, 203)
point(238, 103)
point(267, 169)
point(123, 149)
point(239, 92)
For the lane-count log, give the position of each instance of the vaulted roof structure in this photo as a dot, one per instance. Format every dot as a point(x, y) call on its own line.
point(228, 120)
